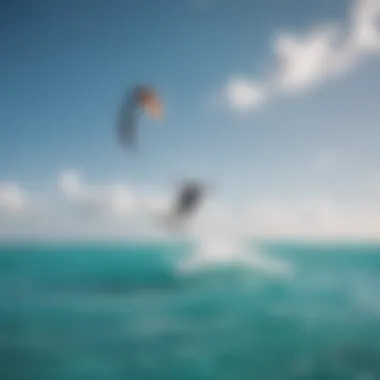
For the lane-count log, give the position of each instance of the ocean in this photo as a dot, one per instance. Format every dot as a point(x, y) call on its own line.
point(135, 311)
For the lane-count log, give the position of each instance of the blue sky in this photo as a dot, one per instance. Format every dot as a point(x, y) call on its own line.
point(263, 99)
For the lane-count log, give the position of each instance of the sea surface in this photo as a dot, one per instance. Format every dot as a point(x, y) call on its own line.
point(144, 311)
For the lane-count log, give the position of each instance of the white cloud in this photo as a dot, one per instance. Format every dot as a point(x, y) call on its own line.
point(71, 184)
point(365, 34)
point(244, 94)
point(121, 211)
point(20, 213)
point(313, 218)
point(303, 61)
point(326, 51)
point(112, 200)
point(13, 199)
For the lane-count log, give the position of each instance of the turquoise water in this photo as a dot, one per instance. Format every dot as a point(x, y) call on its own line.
point(106, 311)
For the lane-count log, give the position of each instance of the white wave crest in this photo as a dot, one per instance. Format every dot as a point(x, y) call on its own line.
point(211, 252)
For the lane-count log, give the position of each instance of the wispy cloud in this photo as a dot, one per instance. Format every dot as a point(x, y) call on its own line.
point(121, 211)
point(313, 217)
point(303, 61)
point(113, 200)
point(13, 199)
point(21, 213)
point(244, 94)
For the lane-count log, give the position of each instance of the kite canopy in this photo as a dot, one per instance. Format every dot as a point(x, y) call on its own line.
point(141, 98)
point(148, 100)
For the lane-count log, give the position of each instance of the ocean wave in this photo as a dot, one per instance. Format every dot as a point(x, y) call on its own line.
point(215, 252)
point(113, 311)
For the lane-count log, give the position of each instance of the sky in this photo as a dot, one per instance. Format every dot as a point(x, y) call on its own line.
point(273, 103)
